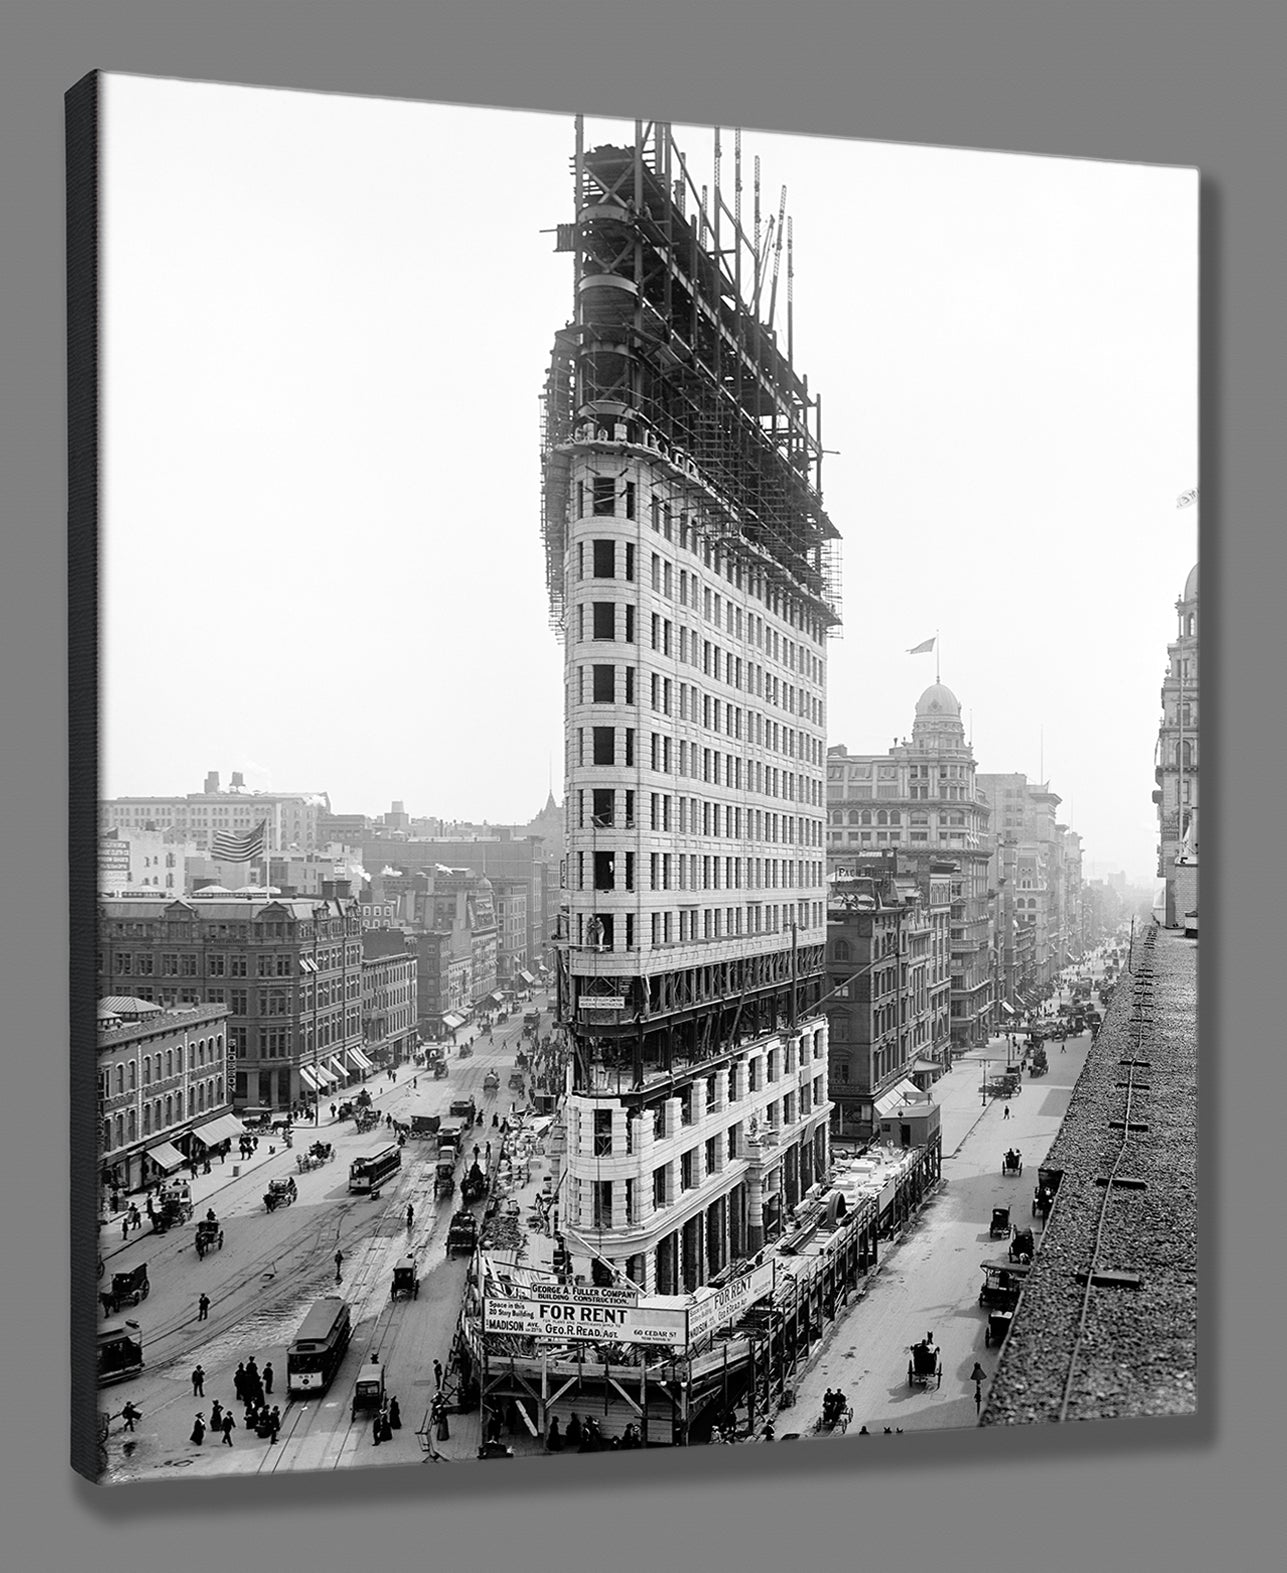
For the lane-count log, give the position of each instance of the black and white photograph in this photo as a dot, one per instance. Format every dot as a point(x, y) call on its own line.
point(647, 848)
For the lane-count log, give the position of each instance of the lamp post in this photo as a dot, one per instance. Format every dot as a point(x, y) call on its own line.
point(984, 1088)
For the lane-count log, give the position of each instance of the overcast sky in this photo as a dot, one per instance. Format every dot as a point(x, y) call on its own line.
point(327, 324)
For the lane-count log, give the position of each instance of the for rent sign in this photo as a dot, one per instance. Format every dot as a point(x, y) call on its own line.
point(712, 1308)
point(557, 1318)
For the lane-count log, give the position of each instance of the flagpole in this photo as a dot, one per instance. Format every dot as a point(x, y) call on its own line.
point(938, 653)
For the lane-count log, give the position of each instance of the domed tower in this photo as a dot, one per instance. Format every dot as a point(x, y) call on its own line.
point(938, 728)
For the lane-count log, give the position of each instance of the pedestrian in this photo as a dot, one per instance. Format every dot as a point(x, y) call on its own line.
point(268, 1377)
point(339, 1262)
point(130, 1414)
point(437, 1375)
point(125, 1227)
point(203, 1308)
point(411, 1215)
point(274, 1424)
point(495, 1120)
point(1006, 1115)
point(135, 1221)
point(489, 1152)
point(573, 1433)
point(198, 1434)
point(395, 1415)
point(444, 1430)
point(227, 1428)
point(332, 1111)
point(239, 1382)
point(477, 1151)
point(198, 1382)
point(205, 1165)
point(216, 1415)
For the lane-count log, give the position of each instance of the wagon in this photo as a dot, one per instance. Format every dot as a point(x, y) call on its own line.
point(280, 1193)
point(1012, 1162)
point(999, 1228)
point(925, 1368)
point(445, 1177)
point(997, 1327)
point(462, 1235)
point(1043, 1199)
point(474, 1186)
point(440, 1070)
point(406, 1280)
point(368, 1391)
point(1021, 1246)
point(1002, 1282)
point(128, 1288)
point(209, 1236)
point(491, 1084)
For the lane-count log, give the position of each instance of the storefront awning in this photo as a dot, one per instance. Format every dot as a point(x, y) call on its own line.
point(327, 1078)
point(166, 1156)
point(494, 998)
point(341, 1073)
point(527, 977)
point(920, 1066)
point(307, 1077)
point(905, 1092)
point(452, 1021)
point(226, 1128)
point(360, 1059)
point(1007, 1007)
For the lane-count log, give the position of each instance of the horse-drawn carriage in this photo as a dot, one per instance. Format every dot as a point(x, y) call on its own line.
point(1012, 1162)
point(366, 1119)
point(318, 1154)
point(440, 1070)
point(130, 1287)
point(173, 1206)
point(406, 1280)
point(517, 1082)
point(209, 1236)
point(999, 1295)
point(1040, 1064)
point(1021, 1246)
point(474, 1186)
point(491, 1084)
point(925, 1367)
point(1043, 1199)
point(368, 1390)
point(999, 1228)
point(465, 1051)
point(280, 1193)
point(462, 1233)
point(444, 1180)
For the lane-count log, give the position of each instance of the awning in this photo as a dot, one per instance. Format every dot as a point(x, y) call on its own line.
point(166, 1156)
point(494, 998)
point(527, 977)
point(919, 1066)
point(360, 1059)
point(905, 1092)
point(327, 1078)
point(219, 1130)
point(1007, 1007)
point(452, 1021)
point(307, 1077)
point(341, 1073)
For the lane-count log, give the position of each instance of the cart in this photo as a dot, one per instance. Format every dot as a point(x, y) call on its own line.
point(406, 1280)
point(440, 1070)
point(1021, 1246)
point(462, 1234)
point(368, 1390)
point(128, 1288)
point(280, 1193)
point(925, 1367)
point(1002, 1282)
point(999, 1228)
point(209, 1236)
point(998, 1325)
point(1012, 1162)
point(444, 1181)
point(491, 1084)
point(474, 1186)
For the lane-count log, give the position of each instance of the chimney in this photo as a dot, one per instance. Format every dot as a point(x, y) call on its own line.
point(212, 781)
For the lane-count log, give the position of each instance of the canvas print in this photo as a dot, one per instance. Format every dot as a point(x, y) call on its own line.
point(560, 968)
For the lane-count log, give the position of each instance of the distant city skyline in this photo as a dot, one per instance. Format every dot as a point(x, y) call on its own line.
point(321, 548)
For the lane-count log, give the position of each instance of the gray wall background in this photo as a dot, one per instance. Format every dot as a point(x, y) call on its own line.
point(1168, 82)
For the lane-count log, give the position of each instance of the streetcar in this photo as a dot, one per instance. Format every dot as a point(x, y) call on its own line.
point(318, 1347)
point(368, 1173)
point(120, 1351)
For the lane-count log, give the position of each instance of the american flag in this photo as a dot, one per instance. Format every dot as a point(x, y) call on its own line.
point(920, 649)
point(239, 849)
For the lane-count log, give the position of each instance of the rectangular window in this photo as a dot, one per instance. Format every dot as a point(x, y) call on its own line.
point(605, 619)
point(605, 494)
point(630, 511)
point(630, 628)
point(630, 747)
point(603, 745)
point(604, 684)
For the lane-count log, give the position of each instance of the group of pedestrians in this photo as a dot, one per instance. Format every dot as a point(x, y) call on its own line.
point(253, 1388)
point(834, 1406)
point(386, 1423)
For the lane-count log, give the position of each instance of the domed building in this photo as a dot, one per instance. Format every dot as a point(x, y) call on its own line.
point(903, 810)
point(1176, 764)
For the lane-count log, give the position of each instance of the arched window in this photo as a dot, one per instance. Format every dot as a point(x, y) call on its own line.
point(132, 1126)
point(147, 1119)
point(120, 1078)
point(842, 951)
point(866, 816)
point(169, 1108)
point(169, 1062)
point(107, 1135)
point(1186, 758)
point(219, 1044)
point(134, 1075)
point(853, 816)
point(882, 818)
point(219, 1088)
point(894, 817)
point(120, 1131)
point(201, 1098)
point(192, 1101)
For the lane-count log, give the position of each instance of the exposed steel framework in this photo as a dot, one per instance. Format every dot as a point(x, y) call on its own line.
point(672, 350)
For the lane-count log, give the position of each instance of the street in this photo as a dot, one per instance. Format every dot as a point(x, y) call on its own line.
point(273, 1266)
point(929, 1282)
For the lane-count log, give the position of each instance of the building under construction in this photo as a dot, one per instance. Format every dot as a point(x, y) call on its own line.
point(692, 575)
